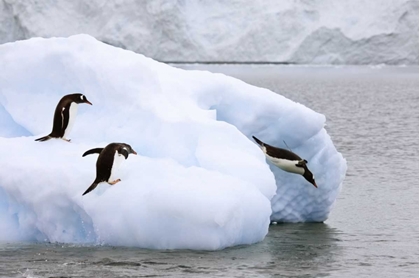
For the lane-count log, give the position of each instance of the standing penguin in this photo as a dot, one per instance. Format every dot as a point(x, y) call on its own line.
point(286, 160)
point(109, 159)
point(64, 116)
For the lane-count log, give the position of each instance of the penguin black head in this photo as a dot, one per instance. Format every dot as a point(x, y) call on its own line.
point(309, 177)
point(125, 149)
point(79, 98)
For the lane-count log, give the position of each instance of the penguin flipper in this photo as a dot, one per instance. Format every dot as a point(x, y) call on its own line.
point(65, 118)
point(96, 150)
point(42, 139)
point(93, 186)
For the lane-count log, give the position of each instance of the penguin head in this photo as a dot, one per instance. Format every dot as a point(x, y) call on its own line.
point(309, 177)
point(80, 98)
point(126, 149)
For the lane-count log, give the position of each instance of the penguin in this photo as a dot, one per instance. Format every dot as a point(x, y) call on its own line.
point(108, 160)
point(287, 161)
point(64, 116)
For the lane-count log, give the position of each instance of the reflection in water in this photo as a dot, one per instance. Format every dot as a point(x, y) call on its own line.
point(288, 250)
point(302, 248)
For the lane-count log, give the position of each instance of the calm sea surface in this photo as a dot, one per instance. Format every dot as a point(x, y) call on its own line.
point(373, 231)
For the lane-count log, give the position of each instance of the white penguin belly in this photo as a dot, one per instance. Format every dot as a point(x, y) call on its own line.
point(287, 165)
point(72, 117)
point(118, 159)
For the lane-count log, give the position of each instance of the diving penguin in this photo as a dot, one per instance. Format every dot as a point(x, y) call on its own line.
point(64, 116)
point(286, 160)
point(109, 159)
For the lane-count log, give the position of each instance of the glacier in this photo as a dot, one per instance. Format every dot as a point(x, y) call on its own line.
point(287, 31)
point(198, 181)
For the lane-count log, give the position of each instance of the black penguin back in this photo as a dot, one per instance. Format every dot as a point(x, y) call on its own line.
point(62, 115)
point(105, 162)
point(281, 153)
point(277, 152)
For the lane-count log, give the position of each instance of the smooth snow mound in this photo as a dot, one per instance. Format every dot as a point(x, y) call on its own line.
point(198, 180)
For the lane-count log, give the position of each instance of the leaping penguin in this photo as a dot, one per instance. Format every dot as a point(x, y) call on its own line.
point(108, 160)
point(64, 116)
point(286, 160)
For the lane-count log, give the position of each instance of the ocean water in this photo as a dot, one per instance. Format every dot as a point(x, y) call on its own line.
point(373, 119)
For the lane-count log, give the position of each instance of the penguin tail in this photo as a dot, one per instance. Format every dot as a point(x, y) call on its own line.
point(259, 142)
point(93, 186)
point(42, 139)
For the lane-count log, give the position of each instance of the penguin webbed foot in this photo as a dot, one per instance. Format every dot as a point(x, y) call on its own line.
point(114, 182)
point(67, 140)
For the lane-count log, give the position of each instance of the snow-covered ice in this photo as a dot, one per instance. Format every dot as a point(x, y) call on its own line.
point(198, 181)
point(288, 31)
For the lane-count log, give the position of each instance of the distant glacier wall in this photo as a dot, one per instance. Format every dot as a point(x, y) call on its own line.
point(354, 32)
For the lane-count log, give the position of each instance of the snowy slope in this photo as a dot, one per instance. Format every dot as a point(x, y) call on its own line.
point(304, 32)
point(198, 180)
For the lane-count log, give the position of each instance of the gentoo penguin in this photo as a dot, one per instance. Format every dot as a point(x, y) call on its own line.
point(286, 160)
point(109, 159)
point(64, 116)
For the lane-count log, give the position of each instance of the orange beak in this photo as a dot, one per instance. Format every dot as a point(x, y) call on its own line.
point(134, 152)
point(88, 102)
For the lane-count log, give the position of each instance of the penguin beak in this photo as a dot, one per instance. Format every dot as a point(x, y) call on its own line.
point(314, 183)
point(134, 152)
point(88, 102)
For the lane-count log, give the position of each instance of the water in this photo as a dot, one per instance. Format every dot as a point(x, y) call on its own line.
point(372, 117)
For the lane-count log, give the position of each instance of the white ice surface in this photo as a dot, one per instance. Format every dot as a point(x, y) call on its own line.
point(198, 181)
point(304, 32)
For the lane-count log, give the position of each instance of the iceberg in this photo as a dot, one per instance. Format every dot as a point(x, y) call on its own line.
point(198, 181)
point(239, 31)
